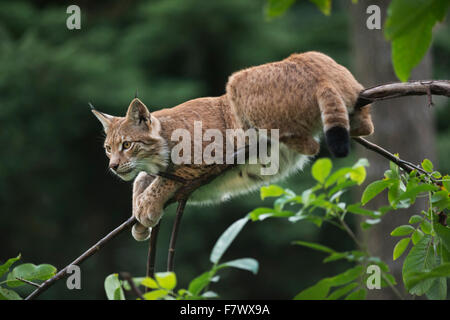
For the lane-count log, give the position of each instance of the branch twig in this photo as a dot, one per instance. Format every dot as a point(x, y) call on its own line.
point(28, 281)
point(173, 238)
point(152, 252)
point(92, 250)
point(402, 89)
point(127, 277)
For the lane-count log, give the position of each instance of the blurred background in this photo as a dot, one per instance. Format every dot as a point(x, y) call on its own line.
point(56, 195)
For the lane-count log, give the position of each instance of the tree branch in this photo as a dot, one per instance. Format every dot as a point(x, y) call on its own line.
point(173, 238)
point(92, 250)
point(152, 252)
point(402, 89)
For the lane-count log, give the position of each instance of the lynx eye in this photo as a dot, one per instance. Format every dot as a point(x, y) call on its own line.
point(126, 145)
point(108, 149)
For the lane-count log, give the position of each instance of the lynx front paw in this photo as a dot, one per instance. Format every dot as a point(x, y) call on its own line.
point(147, 212)
point(140, 233)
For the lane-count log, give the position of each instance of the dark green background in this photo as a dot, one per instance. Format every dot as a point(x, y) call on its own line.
point(56, 195)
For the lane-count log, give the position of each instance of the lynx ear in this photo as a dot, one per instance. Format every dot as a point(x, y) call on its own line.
point(138, 113)
point(104, 118)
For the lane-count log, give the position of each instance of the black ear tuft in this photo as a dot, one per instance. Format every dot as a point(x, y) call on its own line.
point(338, 141)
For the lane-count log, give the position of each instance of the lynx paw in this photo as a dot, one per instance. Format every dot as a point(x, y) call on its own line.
point(140, 233)
point(147, 212)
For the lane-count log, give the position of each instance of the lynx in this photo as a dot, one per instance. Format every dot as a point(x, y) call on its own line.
point(301, 96)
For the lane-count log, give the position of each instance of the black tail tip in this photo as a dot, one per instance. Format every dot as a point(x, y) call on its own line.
point(338, 141)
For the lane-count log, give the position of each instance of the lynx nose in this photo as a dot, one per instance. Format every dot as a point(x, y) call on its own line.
point(114, 166)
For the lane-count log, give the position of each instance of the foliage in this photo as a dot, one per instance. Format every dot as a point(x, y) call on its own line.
point(25, 271)
point(427, 264)
point(425, 268)
point(408, 26)
point(162, 286)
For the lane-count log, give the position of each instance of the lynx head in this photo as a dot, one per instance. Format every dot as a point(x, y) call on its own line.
point(133, 143)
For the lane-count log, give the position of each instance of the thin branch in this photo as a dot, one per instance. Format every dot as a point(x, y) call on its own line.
point(405, 165)
point(173, 238)
point(28, 281)
point(91, 251)
point(408, 167)
point(152, 252)
point(127, 277)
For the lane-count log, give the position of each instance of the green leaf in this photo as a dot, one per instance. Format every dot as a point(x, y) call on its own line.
point(374, 189)
point(321, 169)
point(209, 294)
point(155, 294)
point(362, 162)
point(394, 192)
point(416, 277)
point(320, 290)
point(248, 264)
point(358, 175)
point(356, 209)
point(415, 219)
point(368, 223)
point(323, 5)
point(338, 293)
point(402, 231)
point(426, 226)
point(226, 239)
point(420, 259)
point(436, 175)
point(438, 290)
point(31, 272)
point(5, 267)
point(275, 8)
point(427, 165)
point(337, 256)
point(150, 283)
point(314, 246)
point(7, 294)
point(446, 182)
point(409, 26)
point(271, 191)
point(280, 202)
point(264, 213)
point(444, 234)
point(417, 236)
point(166, 280)
point(200, 282)
point(113, 287)
point(357, 295)
point(412, 192)
point(337, 176)
point(400, 247)
point(341, 186)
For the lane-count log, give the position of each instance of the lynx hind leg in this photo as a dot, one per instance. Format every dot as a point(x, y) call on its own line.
point(335, 120)
point(304, 144)
point(361, 122)
point(142, 181)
